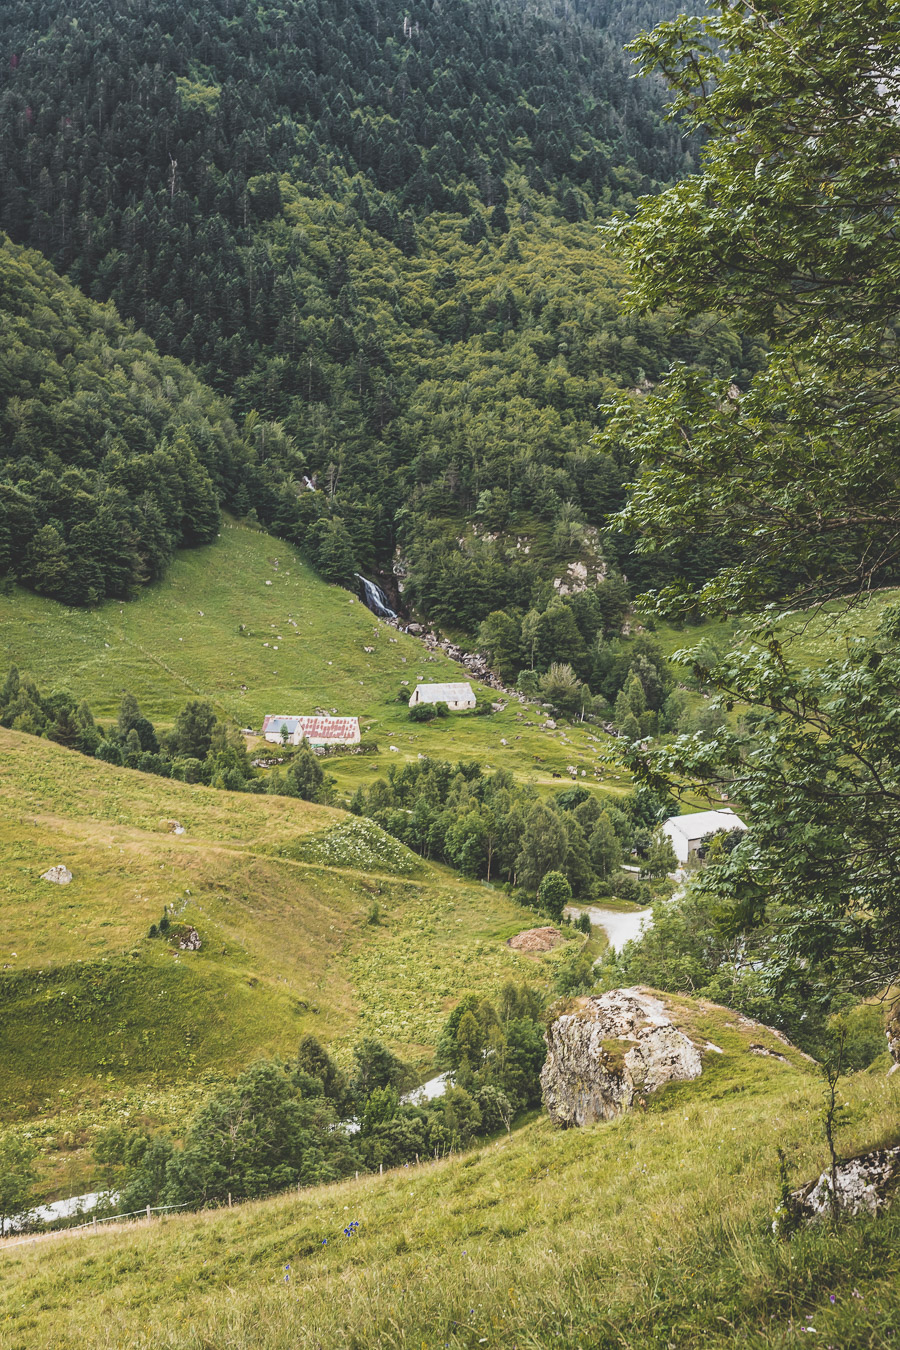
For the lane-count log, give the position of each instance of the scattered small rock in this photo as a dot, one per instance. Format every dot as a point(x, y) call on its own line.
point(60, 875)
point(771, 1054)
point(176, 827)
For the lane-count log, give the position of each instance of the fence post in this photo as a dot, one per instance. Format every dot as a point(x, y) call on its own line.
point(229, 1199)
point(148, 1211)
point(381, 1169)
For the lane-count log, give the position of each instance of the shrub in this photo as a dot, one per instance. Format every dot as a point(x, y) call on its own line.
point(627, 887)
point(554, 893)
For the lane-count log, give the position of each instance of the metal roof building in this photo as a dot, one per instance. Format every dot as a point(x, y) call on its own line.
point(688, 832)
point(456, 696)
point(315, 730)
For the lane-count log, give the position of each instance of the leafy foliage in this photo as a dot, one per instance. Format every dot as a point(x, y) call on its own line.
point(375, 232)
point(486, 826)
point(111, 456)
point(279, 1125)
point(696, 945)
point(17, 1177)
point(789, 227)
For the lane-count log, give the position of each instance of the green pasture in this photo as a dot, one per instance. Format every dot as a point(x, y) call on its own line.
point(246, 624)
point(649, 1232)
point(282, 895)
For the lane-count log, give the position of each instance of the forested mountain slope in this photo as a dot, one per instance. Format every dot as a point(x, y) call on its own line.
point(111, 456)
point(373, 227)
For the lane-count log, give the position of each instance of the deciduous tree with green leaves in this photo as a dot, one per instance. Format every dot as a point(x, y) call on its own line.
point(789, 228)
point(17, 1177)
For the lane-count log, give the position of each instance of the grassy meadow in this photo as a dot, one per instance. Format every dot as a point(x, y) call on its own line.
point(653, 1231)
point(245, 623)
point(811, 638)
point(94, 1013)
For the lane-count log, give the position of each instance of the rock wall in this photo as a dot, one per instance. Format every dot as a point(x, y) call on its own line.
point(607, 1051)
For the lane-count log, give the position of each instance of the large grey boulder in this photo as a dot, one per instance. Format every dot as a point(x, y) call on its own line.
point(606, 1051)
point(864, 1185)
point(60, 875)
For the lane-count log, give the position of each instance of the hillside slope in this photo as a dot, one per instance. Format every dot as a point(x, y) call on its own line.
point(245, 623)
point(97, 1017)
point(111, 455)
point(374, 227)
point(653, 1230)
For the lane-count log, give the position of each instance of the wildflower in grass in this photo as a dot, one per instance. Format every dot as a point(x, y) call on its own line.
point(287, 1272)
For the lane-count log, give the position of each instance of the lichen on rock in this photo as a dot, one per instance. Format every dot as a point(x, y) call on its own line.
point(606, 1051)
point(59, 875)
point(863, 1185)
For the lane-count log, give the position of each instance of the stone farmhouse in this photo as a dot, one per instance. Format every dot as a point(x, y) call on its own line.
point(688, 832)
point(456, 696)
point(317, 731)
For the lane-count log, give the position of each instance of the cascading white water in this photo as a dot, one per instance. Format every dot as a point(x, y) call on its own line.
point(375, 598)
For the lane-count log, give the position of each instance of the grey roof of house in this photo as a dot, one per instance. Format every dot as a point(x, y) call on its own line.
point(700, 823)
point(446, 693)
point(274, 723)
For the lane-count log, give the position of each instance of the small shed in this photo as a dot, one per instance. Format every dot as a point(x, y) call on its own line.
point(456, 696)
point(315, 730)
point(688, 832)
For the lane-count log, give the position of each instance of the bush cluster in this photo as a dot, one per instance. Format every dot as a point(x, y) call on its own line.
point(489, 827)
point(200, 748)
point(281, 1125)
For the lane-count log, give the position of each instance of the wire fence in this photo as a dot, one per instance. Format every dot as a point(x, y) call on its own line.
point(94, 1222)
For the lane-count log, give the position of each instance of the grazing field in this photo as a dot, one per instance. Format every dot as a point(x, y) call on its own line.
point(650, 1231)
point(94, 1012)
point(811, 638)
point(245, 623)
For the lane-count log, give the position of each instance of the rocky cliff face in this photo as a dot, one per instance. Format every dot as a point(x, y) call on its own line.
point(608, 1051)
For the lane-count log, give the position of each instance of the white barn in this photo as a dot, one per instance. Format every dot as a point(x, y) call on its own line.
point(315, 730)
point(456, 696)
point(687, 832)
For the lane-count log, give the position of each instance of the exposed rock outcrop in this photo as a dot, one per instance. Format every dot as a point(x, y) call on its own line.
point(186, 938)
point(864, 1185)
point(606, 1051)
point(893, 1035)
point(60, 875)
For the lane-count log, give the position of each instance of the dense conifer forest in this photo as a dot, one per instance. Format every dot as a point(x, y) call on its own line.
point(374, 230)
point(111, 456)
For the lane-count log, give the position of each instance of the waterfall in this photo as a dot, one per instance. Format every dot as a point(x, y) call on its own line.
point(375, 598)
